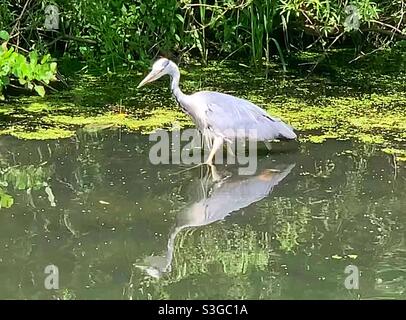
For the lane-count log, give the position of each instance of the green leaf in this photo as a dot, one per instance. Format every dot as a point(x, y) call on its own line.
point(4, 81)
point(180, 18)
point(33, 58)
point(40, 90)
point(52, 66)
point(4, 35)
point(45, 59)
point(6, 201)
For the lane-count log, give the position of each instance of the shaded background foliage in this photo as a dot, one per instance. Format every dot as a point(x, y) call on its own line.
point(128, 32)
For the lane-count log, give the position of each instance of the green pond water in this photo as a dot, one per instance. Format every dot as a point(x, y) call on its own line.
point(118, 227)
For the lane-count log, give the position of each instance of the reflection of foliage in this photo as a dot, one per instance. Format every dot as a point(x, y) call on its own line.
point(233, 255)
point(88, 174)
point(289, 227)
point(65, 294)
point(27, 178)
point(288, 236)
point(6, 201)
point(391, 273)
point(232, 259)
point(87, 170)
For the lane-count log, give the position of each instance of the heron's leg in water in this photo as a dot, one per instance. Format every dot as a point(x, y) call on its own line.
point(230, 149)
point(217, 143)
point(268, 144)
point(215, 176)
point(187, 169)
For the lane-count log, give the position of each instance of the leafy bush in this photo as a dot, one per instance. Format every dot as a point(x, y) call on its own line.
point(118, 32)
point(126, 32)
point(31, 72)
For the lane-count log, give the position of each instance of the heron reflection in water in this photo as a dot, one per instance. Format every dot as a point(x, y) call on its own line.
point(217, 199)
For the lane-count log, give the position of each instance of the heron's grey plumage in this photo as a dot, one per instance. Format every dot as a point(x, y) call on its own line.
point(232, 195)
point(215, 203)
point(227, 114)
point(222, 116)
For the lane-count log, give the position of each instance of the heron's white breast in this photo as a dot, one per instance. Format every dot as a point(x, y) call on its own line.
point(197, 107)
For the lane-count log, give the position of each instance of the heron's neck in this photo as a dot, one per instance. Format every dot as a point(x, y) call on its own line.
point(178, 94)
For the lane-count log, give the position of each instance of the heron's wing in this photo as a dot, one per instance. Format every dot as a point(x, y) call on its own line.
point(226, 115)
point(232, 196)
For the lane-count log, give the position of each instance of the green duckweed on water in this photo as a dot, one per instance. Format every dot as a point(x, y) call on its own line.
point(334, 101)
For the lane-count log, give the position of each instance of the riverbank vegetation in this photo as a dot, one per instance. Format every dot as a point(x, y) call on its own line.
point(128, 33)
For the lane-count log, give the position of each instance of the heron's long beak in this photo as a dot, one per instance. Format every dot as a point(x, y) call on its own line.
point(152, 76)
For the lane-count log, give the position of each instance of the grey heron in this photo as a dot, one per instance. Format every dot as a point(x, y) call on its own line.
point(215, 202)
point(221, 117)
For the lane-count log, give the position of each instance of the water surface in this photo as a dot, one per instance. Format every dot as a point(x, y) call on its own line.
point(118, 227)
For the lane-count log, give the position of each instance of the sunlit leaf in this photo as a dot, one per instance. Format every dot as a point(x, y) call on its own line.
point(4, 35)
point(40, 90)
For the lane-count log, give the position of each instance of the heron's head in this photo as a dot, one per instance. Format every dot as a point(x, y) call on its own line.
point(160, 68)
